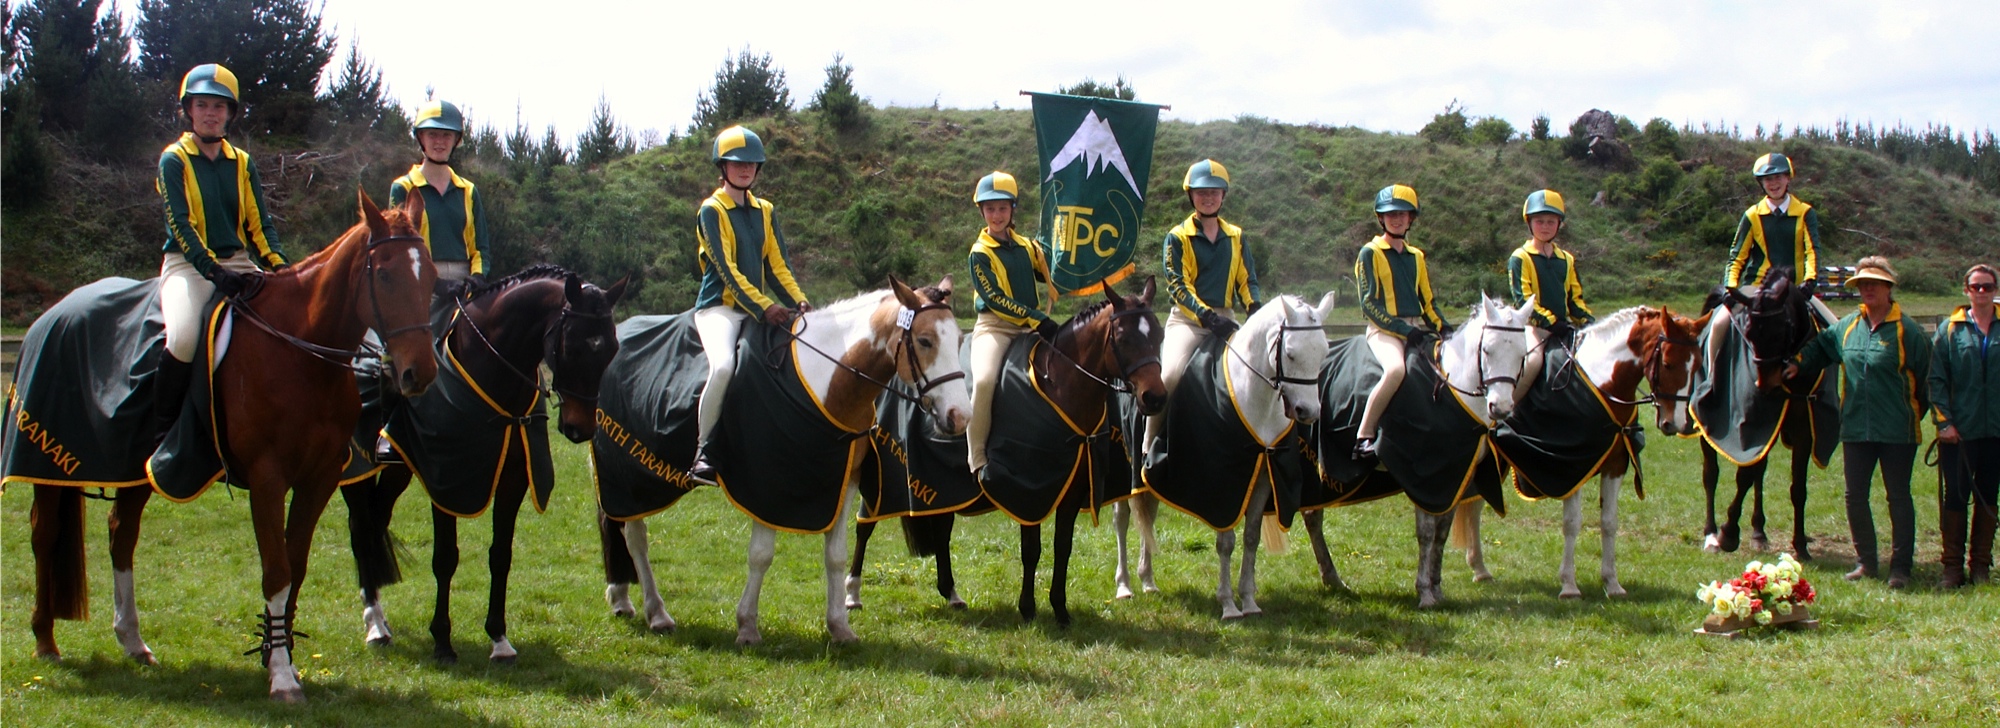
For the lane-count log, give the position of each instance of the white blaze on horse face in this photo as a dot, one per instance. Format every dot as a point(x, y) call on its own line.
point(1305, 351)
point(952, 403)
point(416, 263)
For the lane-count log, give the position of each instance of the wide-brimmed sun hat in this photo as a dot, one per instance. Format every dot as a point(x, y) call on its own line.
point(1872, 268)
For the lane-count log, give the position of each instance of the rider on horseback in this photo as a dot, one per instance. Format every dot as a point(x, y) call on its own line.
point(1004, 266)
point(1206, 261)
point(1395, 287)
point(1777, 217)
point(742, 254)
point(214, 210)
point(1540, 260)
point(458, 237)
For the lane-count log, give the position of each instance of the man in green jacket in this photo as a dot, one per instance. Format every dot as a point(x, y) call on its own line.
point(1884, 361)
point(1209, 272)
point(1965, 404)
point(219, 234)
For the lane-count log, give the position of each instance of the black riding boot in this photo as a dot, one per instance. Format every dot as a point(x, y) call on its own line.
point(170, 387)
point(1980, 551)
point(701, 472)
point(1951, 524)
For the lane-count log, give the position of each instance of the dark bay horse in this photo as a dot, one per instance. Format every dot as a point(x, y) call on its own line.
point(497, 342)
point(290, 406)
point(1779, 323)
point(1116, 340)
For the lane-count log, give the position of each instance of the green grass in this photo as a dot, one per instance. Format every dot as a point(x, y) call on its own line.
point(1504, 652)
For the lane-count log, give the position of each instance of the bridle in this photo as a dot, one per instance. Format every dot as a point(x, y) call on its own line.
point(554, 344)
point(1650, 364)
point(1479, 358)
point(1278, 345)
point(905, 353)
point(343, 358)
point(1123, 383)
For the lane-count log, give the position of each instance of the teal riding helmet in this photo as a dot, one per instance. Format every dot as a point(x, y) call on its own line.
point(997, 186)
point(737, 144)
point(1206, 174)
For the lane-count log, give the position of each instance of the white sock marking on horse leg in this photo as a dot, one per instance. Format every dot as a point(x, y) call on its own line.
point(284, 678)
point(503, 651)
point(763, 545)
point(636, 544)
point(836, 573)
point(375, 618)
point(1475, 548)
point(1225, 547)
point(1246, 584)
point(619, 596)
point(1146, 510)
point(1572, 523)
point(125, 618)
point(1609, 525)
point(1121, 521)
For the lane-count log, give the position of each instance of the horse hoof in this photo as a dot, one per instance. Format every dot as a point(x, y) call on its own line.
point(382, 641)
point(1482, 576)
point(445, 657)
point(1149, 587)
point(620, 599)
point(1027, 610)
point(52, 657)
point(1250, 608)
point(1570, 594)
point(1800, 552)
point(1760, 544)
point(955, 603)
point(749, 639)
point(853, 602)
point(146, 658)
point(1124, 592)
point(1711, 543)
point(289, 696)
point(1614, 592)
point(1229, 613)
point(1731, 538)
point(1427, 602)
point(507, 660)
point(843, 636)
point(1062, 620)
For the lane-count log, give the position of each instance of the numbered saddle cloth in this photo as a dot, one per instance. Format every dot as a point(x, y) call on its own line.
point(1210, 461)
point(1035, 453)
point(646, 416)
point(463, 444)
point(1430, 446)
point(1563, 433)
point(1743, 423)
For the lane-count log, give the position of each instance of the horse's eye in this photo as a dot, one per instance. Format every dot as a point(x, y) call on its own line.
point(596, 343)
point(925, 342)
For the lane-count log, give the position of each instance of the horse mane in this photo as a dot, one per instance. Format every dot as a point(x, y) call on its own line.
point(536, 272)
point(1625, 318)
point(859, 300)
point(394, 216)
point(1083, 317)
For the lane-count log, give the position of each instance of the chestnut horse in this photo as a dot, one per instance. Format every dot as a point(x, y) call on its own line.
point(1630, 346)
point(289, 401)
point(499, 339)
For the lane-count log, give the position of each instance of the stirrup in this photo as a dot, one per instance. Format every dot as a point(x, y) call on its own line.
point(385, 452)
point(1365, 448)
point(701, 472)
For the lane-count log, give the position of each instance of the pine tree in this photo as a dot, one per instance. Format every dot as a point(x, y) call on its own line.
point(276, 48)
point(745, 87)
point(836, 101)
point(357, 97)
point(1121, 89)
point(72, 59)
point(602, 141)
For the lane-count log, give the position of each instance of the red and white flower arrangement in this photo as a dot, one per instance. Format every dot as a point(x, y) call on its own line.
point(1762, 591)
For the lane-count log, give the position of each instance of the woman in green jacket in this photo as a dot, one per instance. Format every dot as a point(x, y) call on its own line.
point(1005, 268)
point(1884, 359)
point(1965, 380)
point(1544, 271)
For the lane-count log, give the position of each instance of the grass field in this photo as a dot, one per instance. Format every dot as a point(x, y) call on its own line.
point(1505, 652)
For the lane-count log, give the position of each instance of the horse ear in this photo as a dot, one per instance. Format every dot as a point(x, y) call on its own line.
point(1111, 294)
point(413, 210)
point(944, 289)
point(371, 215)
point(572, 287)
point(616, 291)
point(1325, 307)
point(1146, 293)
point(1527, 306)
point(904, 295)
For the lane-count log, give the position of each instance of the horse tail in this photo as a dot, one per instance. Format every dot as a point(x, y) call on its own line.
point(1462, 525)
point(375, 547)
point(56, 520)
point(927, 535)
point(1274, 535)
point(618, 568)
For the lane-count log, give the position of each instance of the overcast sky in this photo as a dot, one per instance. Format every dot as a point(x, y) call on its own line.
point(1377, 65)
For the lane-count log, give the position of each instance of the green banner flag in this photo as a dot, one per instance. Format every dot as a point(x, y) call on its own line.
point(1096, 156)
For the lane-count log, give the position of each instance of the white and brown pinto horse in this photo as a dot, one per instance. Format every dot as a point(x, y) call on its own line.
point(1628, 347)
point(1272, 375)
point(907, 334)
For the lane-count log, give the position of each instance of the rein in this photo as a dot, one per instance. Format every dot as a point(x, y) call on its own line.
point(343, 358)
point(1278, 358)
point(552, 341)
point(1122, 384)
point(1651, 372)
point(905, 319)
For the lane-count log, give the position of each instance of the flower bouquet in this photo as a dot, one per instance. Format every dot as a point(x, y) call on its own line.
point(1766, 594)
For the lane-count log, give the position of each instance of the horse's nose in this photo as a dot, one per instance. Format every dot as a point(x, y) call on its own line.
point(409, 383)
point(575, 433)
point(1152, 402)
point(953, 422)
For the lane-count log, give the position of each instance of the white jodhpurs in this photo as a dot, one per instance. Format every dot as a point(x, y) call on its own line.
point(1388, 349)
point(718, 327)
point(452, 270)
point(990, 339)
point(1183, 336)
point(183, 294)
point(1532, 368)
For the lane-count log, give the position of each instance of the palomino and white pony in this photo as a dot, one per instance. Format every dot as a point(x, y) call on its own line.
point(1615, 355)
point(1273, 369)
point(1480, 363)
point(899, 332)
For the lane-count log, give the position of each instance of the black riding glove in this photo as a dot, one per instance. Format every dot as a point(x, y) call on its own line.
point(243, 286)
point(1561, 332)
point(1047, 330)
point(1217, 324)
point(778, 316)
point(475, 281)
point(1810, 286)
point(1417, 338)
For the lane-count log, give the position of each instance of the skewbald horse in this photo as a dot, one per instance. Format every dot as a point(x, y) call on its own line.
point(290, 407)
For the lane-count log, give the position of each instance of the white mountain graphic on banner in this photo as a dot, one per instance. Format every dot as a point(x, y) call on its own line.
point(1095, 146)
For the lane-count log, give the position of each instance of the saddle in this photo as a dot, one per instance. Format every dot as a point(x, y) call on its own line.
point(1743, 423)
point(1563, 431)
point(1036, 454)
point(1430, 443)
point(916, 471)
point(1209, 462)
